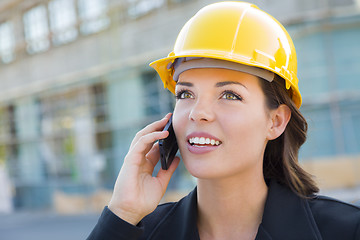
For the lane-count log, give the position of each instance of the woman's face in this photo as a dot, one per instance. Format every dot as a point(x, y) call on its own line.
point(221, 122)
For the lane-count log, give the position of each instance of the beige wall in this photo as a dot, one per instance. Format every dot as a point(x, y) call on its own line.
point(335, 172)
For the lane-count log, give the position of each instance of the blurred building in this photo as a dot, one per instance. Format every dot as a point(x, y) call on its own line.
point(76, 87)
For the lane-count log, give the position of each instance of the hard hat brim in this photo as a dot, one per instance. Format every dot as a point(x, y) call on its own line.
point(166, 74)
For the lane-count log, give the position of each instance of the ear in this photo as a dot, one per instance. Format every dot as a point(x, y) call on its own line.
point(280, 117)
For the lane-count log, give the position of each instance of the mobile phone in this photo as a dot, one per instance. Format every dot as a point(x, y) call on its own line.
point(168, 146)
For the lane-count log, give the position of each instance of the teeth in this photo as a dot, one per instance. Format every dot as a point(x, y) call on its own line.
point(203, 141)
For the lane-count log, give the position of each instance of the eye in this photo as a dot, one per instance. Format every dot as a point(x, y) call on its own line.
point(184, 94)
point(228, 95)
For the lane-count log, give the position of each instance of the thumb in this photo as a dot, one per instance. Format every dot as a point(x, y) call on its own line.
point(165, 175)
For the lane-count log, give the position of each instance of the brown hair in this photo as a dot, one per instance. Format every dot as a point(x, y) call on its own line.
point(281, 154)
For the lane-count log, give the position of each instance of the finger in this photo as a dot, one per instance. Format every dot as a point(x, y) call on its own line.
point(155, 126)
point(154, 154)
point(146, 142)
point(165, 175)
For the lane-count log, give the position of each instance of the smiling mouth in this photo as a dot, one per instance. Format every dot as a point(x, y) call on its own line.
point(202, 141)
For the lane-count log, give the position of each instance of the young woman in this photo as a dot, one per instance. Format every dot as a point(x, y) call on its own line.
point(238, 127)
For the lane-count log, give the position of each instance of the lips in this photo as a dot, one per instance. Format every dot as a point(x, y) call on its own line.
point(200, 143)
point(203, 141)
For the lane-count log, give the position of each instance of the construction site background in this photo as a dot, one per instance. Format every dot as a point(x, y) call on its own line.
point(76, 87)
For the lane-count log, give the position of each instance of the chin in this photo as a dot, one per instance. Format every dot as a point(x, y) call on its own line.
point(209, 168)
point(201, 169)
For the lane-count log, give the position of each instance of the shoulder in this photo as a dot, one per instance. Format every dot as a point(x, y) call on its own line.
point(174, 220)
point(335, 217)
point(334, 208)
point(161, 212)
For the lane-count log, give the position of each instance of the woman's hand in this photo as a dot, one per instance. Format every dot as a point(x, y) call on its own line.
point(137, 193)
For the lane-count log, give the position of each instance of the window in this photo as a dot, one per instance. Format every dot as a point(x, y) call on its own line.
point(7, 123)
point(93, 16)
point(63, 21)
point(179, 1)
point(337, 3)
point(157, 101)
point(139, 8)
point(68, 144)
point(7, 42)
point(8, 139)
point(100, 104)
point(104, 134)
point(36, 29)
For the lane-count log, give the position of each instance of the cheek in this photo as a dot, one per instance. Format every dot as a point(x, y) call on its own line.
point(179, 120)
point(247, 128)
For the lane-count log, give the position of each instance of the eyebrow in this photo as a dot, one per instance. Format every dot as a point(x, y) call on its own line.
point(187, 84)
point(219, 84)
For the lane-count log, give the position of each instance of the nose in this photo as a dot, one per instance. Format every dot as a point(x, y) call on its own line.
point(202, 111)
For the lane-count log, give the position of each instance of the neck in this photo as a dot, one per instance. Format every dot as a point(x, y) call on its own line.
point(230, 208)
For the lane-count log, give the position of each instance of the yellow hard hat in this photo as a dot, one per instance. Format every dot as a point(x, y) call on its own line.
point(237, 32)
